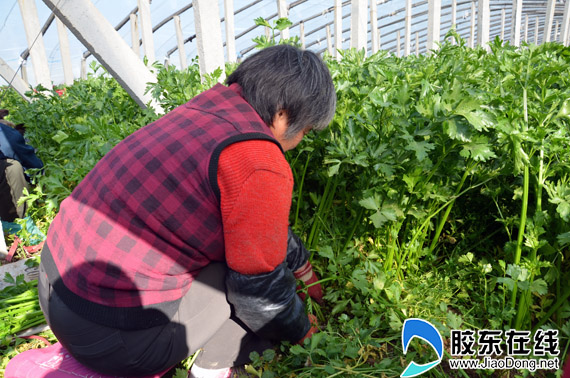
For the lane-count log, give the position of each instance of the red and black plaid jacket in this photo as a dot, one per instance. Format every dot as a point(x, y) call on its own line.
point(146, 219)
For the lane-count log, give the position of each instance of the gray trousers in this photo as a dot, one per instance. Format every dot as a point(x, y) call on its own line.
point(12, 184)
point(204, 321)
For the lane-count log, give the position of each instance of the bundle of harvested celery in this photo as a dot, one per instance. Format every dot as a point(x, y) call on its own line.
point(19, 308)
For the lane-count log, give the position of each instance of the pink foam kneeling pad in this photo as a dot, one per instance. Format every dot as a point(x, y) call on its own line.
point(51, 362)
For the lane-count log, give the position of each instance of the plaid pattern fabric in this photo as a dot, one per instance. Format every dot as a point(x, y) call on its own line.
point(147, 218)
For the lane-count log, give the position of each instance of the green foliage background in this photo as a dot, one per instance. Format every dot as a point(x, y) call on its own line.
point(441, 190)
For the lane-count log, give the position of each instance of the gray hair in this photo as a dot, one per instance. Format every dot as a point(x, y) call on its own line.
point(286, 78)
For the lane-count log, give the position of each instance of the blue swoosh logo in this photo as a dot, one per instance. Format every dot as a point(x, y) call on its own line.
point(426, 331)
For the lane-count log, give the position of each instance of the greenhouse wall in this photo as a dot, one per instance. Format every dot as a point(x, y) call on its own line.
point(57, 52)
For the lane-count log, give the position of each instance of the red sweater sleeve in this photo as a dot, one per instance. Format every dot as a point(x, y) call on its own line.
point(256, 184)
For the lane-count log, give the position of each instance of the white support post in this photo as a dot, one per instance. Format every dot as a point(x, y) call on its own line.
point(180, 42)
point(483, 23)
point(24, 72)
point(434, 20)
point(146, 29)
point(65, 52)
point(208, 36)
point(472, 29)
point(302, 34)
point(329, 40)
point(526, 27)
point(556, 31)
point(283, 12)
point(374, 25)
point(516, 23)
point(14, 80)
point(337, 28)
point(35, 40)
point(550, 6)
point(453, 18)
point(536, 30)
point(565, 24)
point(417, 44)
point(408, 31)
point(134, 21)
point(230, 30)
point(83, 72)
point(93, 30)
point(398, 42)
point(503, 16)
point(359, 24)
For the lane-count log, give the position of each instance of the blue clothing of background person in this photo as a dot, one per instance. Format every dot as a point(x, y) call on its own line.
point(15, 157)
point(13, 146)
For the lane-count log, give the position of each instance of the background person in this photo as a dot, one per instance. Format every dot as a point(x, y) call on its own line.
point(178, 239)
point(15, 156)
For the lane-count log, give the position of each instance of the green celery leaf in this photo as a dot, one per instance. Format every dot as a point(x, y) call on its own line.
point(267, 374)
point(467, 105)
point(394, 321)
point(382, 216)
point(456, 130)
point(359, 280)
point(329, 369)
point(539, 287)
point(326, 252)
point(369, 203)
point(421, 148)
point(333, 169)
point(60, 136)
point(563, 209)
point(454, 321)
point(478, 149)
point(379, 97)
point(268, 354)
point(9, 279)
point(297, 350)
point(467, 258)
point(283, 23)
point(564, 239)
point(386, 169)
point(481, 120)
point(260, 21)
point(339, 306)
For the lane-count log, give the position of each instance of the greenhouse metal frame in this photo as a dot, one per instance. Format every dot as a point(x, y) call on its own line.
point(402, 27)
